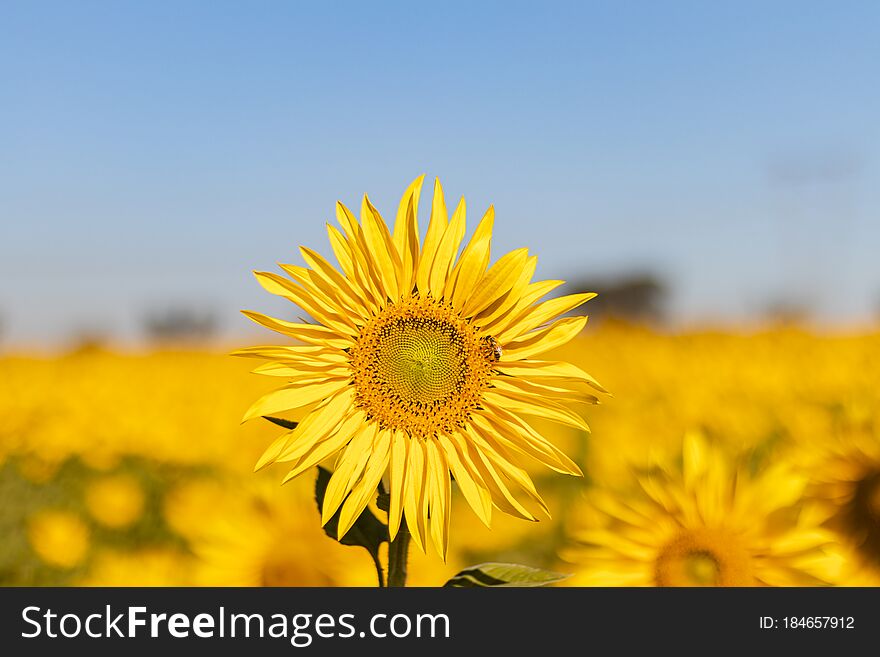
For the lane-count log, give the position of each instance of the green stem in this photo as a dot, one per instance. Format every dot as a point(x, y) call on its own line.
point(379, 574)
point(398, 552)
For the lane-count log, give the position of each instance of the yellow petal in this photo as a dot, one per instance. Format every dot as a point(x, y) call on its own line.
point(539, 391)
point(446, 252)
point(545, 408)
point(366, 273)
point(440, 497)
point(504, 305)
point(321, 424)
point(341, 250)
point(293, 353)
point(322, 312)
point(436, 229)
point(348, 470)
point(536, 315)
point(399, 445)
point(381, 248)
point(520, 436)
point(469, 483)
point(336, 441)
point(548, 369)
point(294, 396)
point(415, 492)
point(496, 282)
point(313, 333)
point(326, 271)
point(472, 264)
point(487, 445)
point(531, 293)
point(536, 342)
point(365, 489)
point(302, 373)
point(406, 233)
point(314, 428)
point(501, 495)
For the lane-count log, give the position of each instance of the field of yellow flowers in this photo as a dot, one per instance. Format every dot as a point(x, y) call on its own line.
point(721, 458)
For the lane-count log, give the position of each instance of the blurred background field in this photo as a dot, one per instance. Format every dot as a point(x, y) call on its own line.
point(711, 169)
point(123, 468)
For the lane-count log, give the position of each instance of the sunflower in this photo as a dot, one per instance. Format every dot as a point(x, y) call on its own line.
point(421, 364)
point(259, 535)
point(844, 474)
point(705, 521)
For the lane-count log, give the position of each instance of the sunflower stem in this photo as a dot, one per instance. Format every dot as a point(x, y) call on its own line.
point(380, 575)
point(398, 552)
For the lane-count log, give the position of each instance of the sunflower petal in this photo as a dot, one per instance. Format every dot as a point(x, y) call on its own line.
point(321, 424)
point(327, 315)
point(472, 264)
point(399, 445)
point(441, 497)
point(293, 397)
point(381, 248)
point(436, 227)
point(313, 333)
point(496, 282)
point(365, 489)
point(469, 482)
point(348, 470)
point(536, 342)
point(415, 492)
point(318, 452)
point(543, 312)
point(406, 233)
point(446, 251)
point(545, 408)
point(548, 369)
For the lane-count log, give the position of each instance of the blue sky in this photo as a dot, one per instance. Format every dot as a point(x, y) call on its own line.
point(153, 153)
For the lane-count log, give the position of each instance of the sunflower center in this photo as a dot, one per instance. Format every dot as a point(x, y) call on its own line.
point(419, 367)
point(862, 515)
point(703, 557)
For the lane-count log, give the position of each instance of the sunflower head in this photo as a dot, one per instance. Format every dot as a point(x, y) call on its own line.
point(844, 473)
point(704, 520)
point(419, 366)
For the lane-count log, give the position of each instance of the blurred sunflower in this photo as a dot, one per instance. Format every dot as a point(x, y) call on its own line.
point(143, 567)
point(259, 535)
point(60, 538)
point(422, 363)
point(704, 522)
point(115, 500)
point(845, 478)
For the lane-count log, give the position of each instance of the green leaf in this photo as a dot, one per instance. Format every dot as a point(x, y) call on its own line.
point(367, 531)
point(281, 422)
point(504, 575)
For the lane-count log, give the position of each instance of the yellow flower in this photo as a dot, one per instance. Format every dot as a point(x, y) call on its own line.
point(706, 522)
point(146, 567)
point(263, 535)
point(845, 478)
point(422, 363)
point(115, 501)
point(58, 537)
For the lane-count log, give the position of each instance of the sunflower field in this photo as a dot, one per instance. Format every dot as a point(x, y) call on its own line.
point(722, 458)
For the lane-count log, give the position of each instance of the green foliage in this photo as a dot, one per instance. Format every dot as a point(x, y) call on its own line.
point(281, 422)
point(504, 575)
point(367, 531)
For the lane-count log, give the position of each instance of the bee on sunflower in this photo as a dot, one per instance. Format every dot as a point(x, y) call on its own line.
point(420, 369)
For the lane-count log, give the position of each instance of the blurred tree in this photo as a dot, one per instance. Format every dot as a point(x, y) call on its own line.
point(179, 325)
point(786, 312)
point(636, 297)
